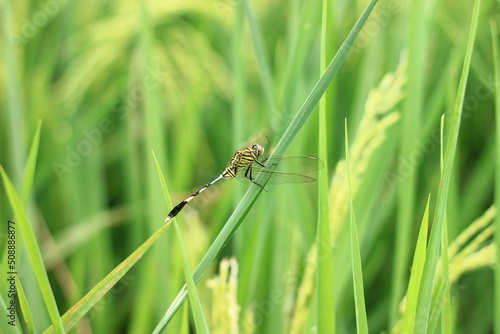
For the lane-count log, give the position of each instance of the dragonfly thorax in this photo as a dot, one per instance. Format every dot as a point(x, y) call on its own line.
point(242, 159)
point(258, 149)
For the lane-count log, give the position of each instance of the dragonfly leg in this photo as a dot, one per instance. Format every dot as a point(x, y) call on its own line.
point(263, 163)
point(260, 163)
point(248, 175)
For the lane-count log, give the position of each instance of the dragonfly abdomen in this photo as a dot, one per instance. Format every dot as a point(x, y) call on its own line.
point(181, 205)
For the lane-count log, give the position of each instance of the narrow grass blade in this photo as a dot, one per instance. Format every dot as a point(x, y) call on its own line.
point(29, 172)
point(258, 46)
point(325, 276)
point(12, 95)
point(496, 60)
point(437, 305)
point(199, 318)
point(416, 273)
point(409, 135)
point(74, 237)
point(33, 251)
point(437, 230)
point(80, 309)
point(240, 82)
point(319, 89)
point(251, 195)
point(446, 299)
point(25, 308)
point(152, 112)
point(357, 271)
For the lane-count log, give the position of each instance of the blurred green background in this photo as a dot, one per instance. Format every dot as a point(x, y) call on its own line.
point(196, 80)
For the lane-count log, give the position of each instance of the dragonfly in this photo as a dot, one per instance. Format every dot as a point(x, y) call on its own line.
point(250, 161)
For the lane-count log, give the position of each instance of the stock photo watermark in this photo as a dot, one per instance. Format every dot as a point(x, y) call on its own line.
point(264, 309)
point(424, 148)
point(31, 26)
point(93, 138)
point(108, 297)
point(378, 21)
point(225, 9)
point(11, 273)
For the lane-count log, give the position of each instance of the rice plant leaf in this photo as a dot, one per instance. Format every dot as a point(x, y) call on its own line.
point(437, 305)
point(199, 319)
point(25, 230)
point(446, 298)
point(29, 172)
point(416, 273)
point(260, 52)
point(425, 293)
point(25, 308)
point(324, 258)
point(80, 309)
point(251, 195)
point(357, 271)
point(319, 89)
point(496, 60)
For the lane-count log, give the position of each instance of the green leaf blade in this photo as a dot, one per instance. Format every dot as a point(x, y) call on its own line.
point(324, 260)
point(424, 303)
point(34, 254)
point(199, 318)
point(357, 271)
point(416, 273)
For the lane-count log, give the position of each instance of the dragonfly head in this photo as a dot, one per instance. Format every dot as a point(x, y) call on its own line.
point(258, 149)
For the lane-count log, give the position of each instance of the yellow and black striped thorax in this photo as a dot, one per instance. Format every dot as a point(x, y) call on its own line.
point(242, 159)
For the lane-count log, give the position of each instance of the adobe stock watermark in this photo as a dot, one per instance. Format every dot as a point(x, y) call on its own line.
point(31, 26)
point(93, 138)
point(379, 20)
point(406, 165)
point(108, 297)
point(264, 309)
point(224, 9)
point(432, 317)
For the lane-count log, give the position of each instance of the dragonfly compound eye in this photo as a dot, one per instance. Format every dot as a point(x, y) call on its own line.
point(258, 148)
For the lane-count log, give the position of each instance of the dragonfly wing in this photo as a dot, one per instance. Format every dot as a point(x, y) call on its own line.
point(260, 140)
point(277, 177)
point(290, 163)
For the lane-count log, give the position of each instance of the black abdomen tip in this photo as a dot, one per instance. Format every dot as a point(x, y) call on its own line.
point(176, 210)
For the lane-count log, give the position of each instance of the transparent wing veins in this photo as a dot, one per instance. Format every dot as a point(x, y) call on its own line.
point(285, 168)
